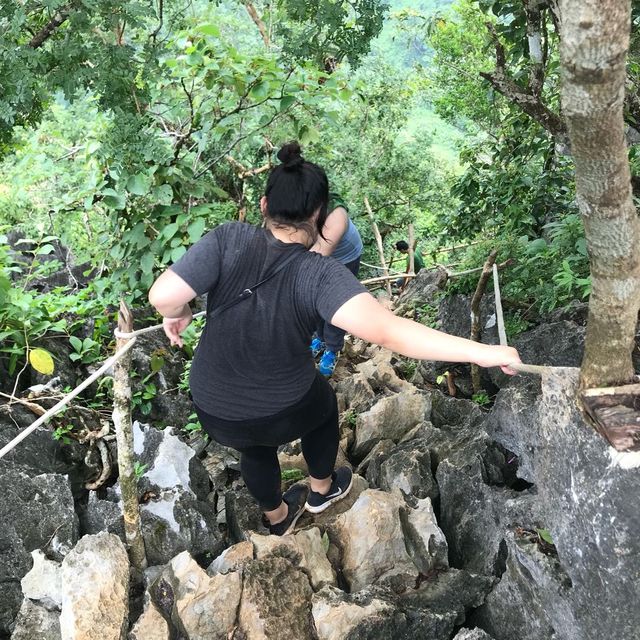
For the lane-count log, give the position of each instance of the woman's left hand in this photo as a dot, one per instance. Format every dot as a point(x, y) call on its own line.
point(173, 327)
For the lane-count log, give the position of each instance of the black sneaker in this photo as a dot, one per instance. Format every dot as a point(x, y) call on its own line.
point(295, 498)
point(341, 481)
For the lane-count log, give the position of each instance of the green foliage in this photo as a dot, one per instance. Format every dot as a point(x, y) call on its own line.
point(481, 398)
point(85, 351)
point(292, 475)
point(139, 469)
point(193, 426)
point(62, 433)
point(350, 417)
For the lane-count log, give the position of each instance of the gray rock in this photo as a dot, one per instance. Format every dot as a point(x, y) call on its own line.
point(35, 622)
point(372, 461)
point(171, 405)
point(390, 418)
point(304, 549)
point(454, 317)
point(337, 614)
point(242, 513)
point(276, 601)
point(102, 515)
point(512, 422)
point(425, 288)
point(232, 559)
point(538, 580)
point(379, 372)
point(423, 538)
point(36, 513)
point(372, 542)
point(151, 625)
point(408, 469)
point(472, 634)
point(587, 506)
point(101, 611)
point(204, 606)
point(475, 516)
point(357, 392)
point(43, 582)
point(218, 461)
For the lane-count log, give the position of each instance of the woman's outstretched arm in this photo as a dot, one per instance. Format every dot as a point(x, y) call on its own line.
point(365, 318)
point(171, 295)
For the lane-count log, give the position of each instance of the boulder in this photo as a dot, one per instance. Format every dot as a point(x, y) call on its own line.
point(203, 606)
point(276, 601)
point(36, 622)
point(242, 513)
point(95, 589)
point(43, 583)
point(472, 634)
point(408, 469)
point(424, 539)
point(425, 288)
point(371, 539)
point(513, 422)
point(380, 374)
point(539, 580)
point(232, 559)
point(151, 624)
point(304, 549)
point(218, 460)
point(390, 418)
point(454, 317)
point(36, 513)
point(337, 614)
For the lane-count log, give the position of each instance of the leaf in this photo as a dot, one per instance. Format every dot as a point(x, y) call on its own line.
point(308, 134)
point(177, 253)
point(209, 30)
point(146, 262)
point(163, 194)
point(41, 361)
point(545, 535)
point(325, 542)
point(260, 91)
point(286, 102)
point(113, 199)
point(76, 343)
point(157, 362)
point(138, 184)
point(195, 229)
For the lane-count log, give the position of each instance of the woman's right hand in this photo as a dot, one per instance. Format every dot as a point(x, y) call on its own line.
point(498, 356)
point(173, 327)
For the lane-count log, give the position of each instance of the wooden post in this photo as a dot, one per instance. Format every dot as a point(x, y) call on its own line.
point(376, 233)
point(411, 250)
point(487, 270)
point(124, 438)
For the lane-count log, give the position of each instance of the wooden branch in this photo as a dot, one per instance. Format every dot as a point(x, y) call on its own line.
point(523, 98)
point(412, 265)
point(376, 233)
point(251, 10)
point(47, 31)
point(475, 314)
point(124, 436)
point(457, 246)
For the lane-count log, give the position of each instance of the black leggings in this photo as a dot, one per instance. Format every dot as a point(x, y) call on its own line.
point(314, 419)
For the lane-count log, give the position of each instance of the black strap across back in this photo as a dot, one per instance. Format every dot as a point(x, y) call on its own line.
point(247, 293)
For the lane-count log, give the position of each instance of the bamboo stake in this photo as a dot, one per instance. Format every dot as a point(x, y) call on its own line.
point(376, 233)
point(387, 278)
point(475, 314)
point(124, 438)
point(411, 250)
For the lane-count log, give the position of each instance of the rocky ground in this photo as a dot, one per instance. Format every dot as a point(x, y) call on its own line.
point(513, 523)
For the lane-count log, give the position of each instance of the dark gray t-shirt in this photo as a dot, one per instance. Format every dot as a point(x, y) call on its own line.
point(253, 360)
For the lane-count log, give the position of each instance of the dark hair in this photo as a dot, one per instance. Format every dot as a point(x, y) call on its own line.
point(296, 189)
point(401, 245)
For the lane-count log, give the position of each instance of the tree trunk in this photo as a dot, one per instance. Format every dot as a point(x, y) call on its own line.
point(378, 238)
point(124, 438)
point(594, 43)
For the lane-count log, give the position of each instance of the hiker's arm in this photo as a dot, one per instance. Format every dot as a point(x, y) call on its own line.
point(171, 295)
point(334, 228)
point(365, 318)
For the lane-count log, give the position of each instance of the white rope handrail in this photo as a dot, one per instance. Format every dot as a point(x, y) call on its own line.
point(133, 334)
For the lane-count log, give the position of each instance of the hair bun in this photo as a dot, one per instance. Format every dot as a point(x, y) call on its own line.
point(291, 155)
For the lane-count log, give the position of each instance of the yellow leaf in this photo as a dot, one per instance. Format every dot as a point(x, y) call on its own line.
point(41, 361)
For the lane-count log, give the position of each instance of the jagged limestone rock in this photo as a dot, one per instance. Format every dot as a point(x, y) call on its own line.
point(372, 542)
point(336, 614)
point(472, 634)
point(380, 374)
point(35, 622)
point(424, 539)
point(203, 606)
point(276, 601)
point(43, 582)
point(95, 589)
point(305, 550)
point(151, 625)
point(232, 559)
point(390, 418)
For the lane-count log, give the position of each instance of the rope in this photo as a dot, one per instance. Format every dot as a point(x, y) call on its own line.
point(70, 396)
point(519, 367)
point(134, 334)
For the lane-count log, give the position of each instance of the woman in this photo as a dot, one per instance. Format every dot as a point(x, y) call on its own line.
point(341, 240)
point(253, 380)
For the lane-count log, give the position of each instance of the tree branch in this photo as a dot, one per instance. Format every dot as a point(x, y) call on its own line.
point(45, 33)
